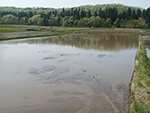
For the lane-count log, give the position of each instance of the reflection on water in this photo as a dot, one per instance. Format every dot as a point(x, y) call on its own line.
point(96, 42)
point(66, 74)
point(146, 40)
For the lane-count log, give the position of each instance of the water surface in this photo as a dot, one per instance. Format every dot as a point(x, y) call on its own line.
point(66, 74)
point(146, 40)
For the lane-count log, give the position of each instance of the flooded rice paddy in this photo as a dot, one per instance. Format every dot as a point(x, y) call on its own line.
point(66, 74)
point(146, 40)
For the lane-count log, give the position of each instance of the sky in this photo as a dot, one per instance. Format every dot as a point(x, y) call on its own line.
point(71, 3)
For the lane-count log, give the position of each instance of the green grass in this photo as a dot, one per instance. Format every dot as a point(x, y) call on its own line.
point(148, 92)
point(140, 109)
point(140, 84)
point(12, 28)
point(147, 82)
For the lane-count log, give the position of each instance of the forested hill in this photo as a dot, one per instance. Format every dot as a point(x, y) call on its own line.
point(107, 15)
point(119, 7)
point(93, 8)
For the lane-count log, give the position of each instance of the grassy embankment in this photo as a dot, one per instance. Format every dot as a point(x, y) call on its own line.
point(140, 85)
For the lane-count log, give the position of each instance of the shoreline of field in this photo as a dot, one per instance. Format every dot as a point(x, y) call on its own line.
point(139, 89)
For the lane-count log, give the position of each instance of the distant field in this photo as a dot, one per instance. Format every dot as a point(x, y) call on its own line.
point(15, 28)
point(8, 32)
point(27, 31)
point(12, 28)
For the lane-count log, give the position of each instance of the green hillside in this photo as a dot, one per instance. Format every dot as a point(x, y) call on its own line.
point(107, 15)
point(120, 7)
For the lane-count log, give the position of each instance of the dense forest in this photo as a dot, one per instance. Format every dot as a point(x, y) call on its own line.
point(110, 15)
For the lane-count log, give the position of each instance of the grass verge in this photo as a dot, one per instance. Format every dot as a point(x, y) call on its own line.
point(140, 85)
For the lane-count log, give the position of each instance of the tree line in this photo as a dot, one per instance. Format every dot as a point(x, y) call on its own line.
point(78, 17)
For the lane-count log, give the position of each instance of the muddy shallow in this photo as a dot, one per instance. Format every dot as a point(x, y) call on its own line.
point(66, 74)
point(146, 40)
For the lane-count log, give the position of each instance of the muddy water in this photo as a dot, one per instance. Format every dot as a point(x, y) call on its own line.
point(146, 40)
point(66, 74)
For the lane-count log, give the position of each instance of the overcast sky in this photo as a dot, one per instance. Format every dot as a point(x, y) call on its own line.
point(71, 3)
